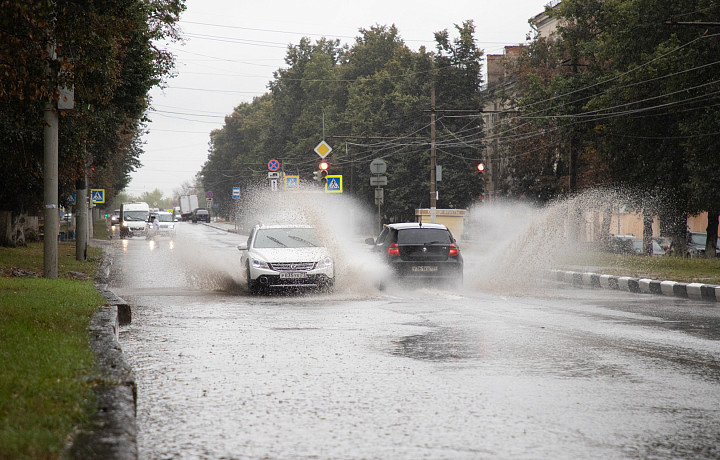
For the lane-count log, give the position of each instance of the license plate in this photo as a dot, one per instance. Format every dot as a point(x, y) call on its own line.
point(292, 275)
point(424, 268)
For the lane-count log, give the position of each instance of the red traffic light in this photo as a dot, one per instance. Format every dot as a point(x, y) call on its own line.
point(481, 167)
point(323, 165)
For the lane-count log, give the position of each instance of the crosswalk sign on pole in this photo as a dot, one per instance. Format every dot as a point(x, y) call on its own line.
point(333, 184)
point(292, 182)
point(97, 195)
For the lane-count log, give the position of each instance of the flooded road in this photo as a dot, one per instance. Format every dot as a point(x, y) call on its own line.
point(406, 373)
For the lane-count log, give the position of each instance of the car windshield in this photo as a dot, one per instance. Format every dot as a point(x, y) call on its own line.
point(165, 217)
point(136, 215)
point(286, 238)
point(698, 238)
point(423, 236)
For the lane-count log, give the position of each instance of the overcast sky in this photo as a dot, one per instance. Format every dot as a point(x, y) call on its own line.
point(232, 47)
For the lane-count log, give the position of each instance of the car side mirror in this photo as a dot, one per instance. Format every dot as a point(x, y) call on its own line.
point(242, 247)
point(370, 241)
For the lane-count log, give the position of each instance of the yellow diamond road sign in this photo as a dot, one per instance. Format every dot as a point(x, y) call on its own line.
point(323, 149)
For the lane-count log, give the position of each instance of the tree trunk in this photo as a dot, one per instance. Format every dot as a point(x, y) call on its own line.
point(712, 234)
point(647, 233)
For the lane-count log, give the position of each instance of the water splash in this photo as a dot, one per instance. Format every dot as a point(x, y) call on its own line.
point(510, 245)
point(342, 224)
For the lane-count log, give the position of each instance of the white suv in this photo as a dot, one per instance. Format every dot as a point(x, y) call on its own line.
point(286, 257)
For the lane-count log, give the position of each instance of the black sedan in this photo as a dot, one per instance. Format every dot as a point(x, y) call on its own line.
point(200, 214)
point(420, 251)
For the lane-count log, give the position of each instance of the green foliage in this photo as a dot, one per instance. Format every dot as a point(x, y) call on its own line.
point(376, 88)
point(106, 53)
point(627, 92)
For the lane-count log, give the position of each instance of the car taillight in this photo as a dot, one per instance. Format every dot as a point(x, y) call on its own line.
point(394, 250)
point(454, 250)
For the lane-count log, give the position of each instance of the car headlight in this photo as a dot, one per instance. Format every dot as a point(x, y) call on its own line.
point(257, 263)
point(325, 263)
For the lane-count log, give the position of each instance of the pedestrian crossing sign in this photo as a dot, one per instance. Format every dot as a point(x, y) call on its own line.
point(334, 184)
point(292, 182)
point(97, 195)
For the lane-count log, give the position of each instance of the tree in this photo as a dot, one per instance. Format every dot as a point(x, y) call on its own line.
point(107, 53)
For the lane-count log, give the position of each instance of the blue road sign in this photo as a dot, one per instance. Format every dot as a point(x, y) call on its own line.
point(71, 200)
point(236, 193)
point(334, 184)
point(273, 165)
point(292, 182)
point(97, 195)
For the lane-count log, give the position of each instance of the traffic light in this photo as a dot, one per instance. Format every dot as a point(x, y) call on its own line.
point(481, 168)
point(316, 175)
point(323, 171)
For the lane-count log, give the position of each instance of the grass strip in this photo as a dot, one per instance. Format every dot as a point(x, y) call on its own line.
point(681, 269)
point(45, 391)
point(46, 364)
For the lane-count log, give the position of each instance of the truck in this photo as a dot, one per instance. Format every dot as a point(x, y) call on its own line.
point(133, 218)
point(188, 203)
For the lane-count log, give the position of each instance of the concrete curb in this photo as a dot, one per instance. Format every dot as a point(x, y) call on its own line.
point(112, 433)
point(697, 291)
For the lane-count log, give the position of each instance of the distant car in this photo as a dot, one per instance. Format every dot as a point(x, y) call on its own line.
point(696, 245)
point(286, 257)
point(200, 214)
point(420, 251)
point(115, 218)
point(166, 223)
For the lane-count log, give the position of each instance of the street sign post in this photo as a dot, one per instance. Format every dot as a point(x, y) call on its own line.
point(292, 182)
point(334, 184)
point(97, 195)
point(378, 181)
point(378, 166)
point(323, 149)
point(236, 193)
point(273, 165)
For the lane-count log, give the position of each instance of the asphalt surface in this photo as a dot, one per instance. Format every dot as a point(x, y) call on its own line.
point(553, 372)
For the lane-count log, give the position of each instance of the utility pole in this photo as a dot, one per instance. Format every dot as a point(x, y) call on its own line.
point(433, 161)
point(81, 227)
point(50, 174)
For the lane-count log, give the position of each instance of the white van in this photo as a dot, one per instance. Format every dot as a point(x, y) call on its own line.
point(133, 217)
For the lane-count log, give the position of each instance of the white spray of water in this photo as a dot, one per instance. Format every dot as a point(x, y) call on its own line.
point(507, 246)
point(342, 225)
point(511, 245)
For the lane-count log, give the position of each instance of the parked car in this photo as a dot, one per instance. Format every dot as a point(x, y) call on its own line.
point(200, 214)
point(696, 245)
point(418, 250)
point(286, 257)
point(630, 244)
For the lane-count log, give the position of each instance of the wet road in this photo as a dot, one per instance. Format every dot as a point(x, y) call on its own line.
point(407, 373)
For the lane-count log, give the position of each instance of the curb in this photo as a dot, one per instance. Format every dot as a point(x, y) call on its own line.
point(112, 431)
point(696, 291)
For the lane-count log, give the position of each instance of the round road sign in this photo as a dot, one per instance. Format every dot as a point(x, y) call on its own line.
point(378, 166)
point(273, 165)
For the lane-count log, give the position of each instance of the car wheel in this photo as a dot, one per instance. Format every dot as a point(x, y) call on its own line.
point(253, 286)
point(328, 286)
